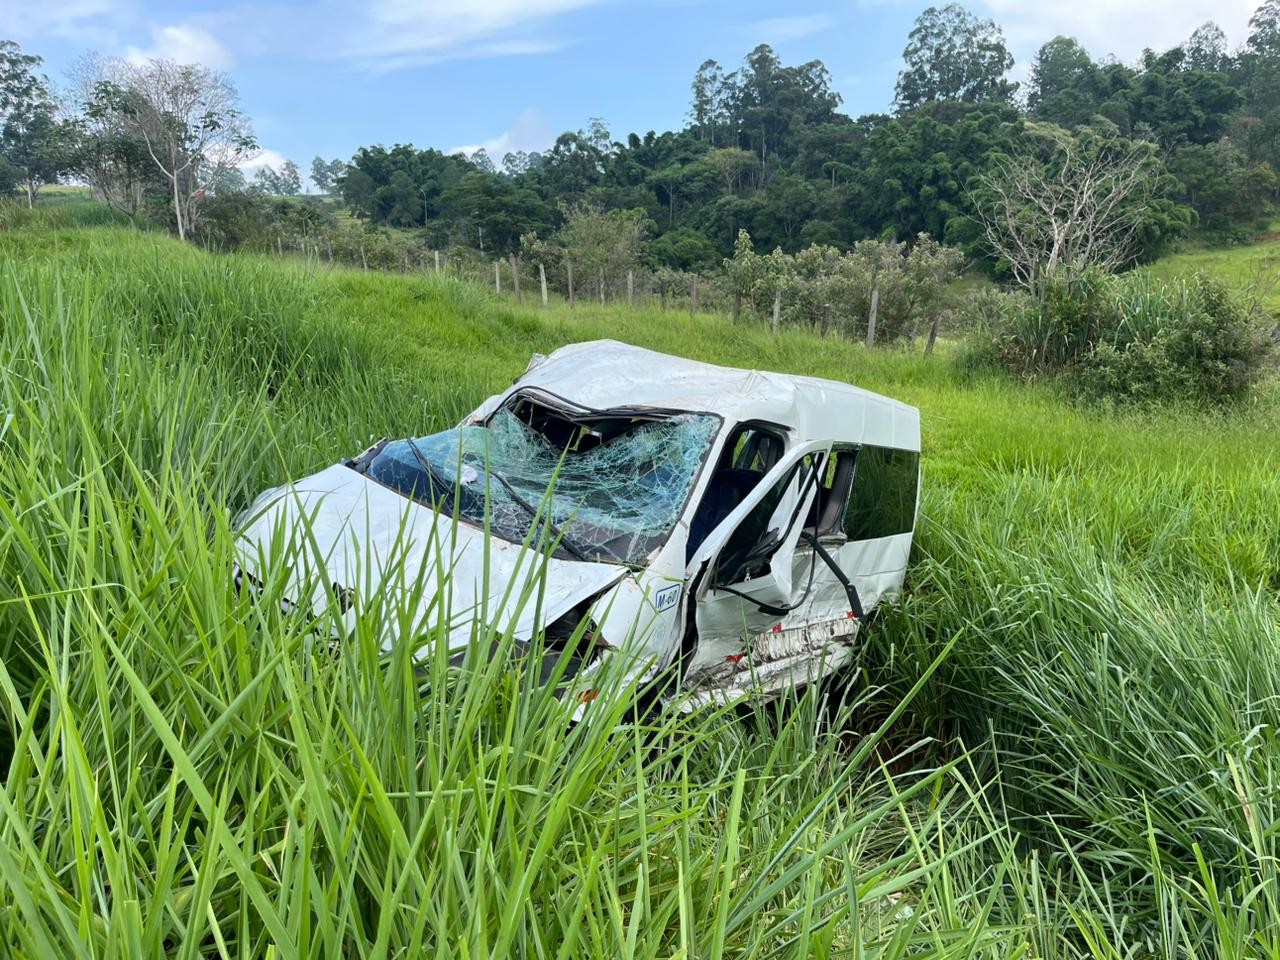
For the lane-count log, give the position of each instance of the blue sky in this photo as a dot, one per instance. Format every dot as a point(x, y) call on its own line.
point(329, 76)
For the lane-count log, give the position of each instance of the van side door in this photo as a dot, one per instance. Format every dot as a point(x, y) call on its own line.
point(864, 516)
point(749, 560)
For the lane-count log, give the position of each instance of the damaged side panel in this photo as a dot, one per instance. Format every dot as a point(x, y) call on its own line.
point(771, 661)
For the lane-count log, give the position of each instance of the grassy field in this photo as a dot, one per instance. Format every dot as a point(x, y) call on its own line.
point(1253, 268)
point(1090, 770)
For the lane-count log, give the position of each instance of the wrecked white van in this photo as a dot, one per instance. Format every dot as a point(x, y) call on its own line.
point(732, 526)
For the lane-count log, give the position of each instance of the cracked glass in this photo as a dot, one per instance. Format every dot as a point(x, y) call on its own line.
point(615, 501)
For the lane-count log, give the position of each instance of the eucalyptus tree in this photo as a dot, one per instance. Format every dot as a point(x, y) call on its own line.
point(953, 55)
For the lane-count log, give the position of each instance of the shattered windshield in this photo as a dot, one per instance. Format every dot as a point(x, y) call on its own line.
point(613, 499)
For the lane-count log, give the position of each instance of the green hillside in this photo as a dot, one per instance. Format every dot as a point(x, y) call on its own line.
point(1090, 771)
point(1253, 267)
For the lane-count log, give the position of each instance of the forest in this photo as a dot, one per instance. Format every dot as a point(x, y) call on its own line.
point(766, 149)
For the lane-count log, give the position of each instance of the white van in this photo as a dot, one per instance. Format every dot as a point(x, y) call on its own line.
point(735, 526)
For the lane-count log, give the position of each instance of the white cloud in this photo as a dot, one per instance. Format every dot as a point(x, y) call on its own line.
point(263, 158)
point(1119, 27)
point(530, 131)
point(402, 33)
point(782, 29)
point(25, 18)
point(183, 43)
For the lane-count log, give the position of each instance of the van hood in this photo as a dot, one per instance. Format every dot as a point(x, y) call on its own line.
point(347, 534)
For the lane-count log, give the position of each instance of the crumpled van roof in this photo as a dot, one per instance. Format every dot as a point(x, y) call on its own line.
point(606, 374)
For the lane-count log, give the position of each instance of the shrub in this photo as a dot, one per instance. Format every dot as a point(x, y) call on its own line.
point(1136, 339)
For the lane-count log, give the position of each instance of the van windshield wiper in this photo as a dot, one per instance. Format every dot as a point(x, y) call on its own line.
point(560, 535)
point(434, 473)
point(430, 468)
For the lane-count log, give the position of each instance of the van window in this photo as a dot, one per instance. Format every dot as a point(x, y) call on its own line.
point(746, 553)
point(883, 502)
point(749, 453)
point(826, 513)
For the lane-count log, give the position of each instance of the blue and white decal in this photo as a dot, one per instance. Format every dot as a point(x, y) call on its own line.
point(666, 598)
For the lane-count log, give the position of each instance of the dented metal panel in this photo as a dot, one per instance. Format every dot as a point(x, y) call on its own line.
point(773, 660)
point(347, 530)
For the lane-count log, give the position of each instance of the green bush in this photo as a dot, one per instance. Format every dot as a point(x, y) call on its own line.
point(1136, 339)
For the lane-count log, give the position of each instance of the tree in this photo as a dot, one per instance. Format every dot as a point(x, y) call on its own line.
point(707, 107)
point(1065, 86)
point(1206, 49)
point(1078, 203)
point(733, 165)
point(493, 213)
point(952, 55)
point(1260, 63)
point(229, 180)
point(480, 160)
point(188, 117)
point(602, 245)
point(1230, 196)
point(571, 167)
point(326, 175)
point(35, 143)
point(267, 181)
point(398, 203)
point(1264, 30)
point(766, 100)
point(109, 157)
point(290, 179)
point(358, 192)
point(597, 134)
point(745, 269)
point(515, 162)
point(285, 182)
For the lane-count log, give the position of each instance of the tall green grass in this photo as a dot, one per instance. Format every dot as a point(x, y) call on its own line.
point(188, 772)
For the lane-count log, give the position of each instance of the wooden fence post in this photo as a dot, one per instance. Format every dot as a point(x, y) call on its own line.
point(497, 276)
point(542, 282)
point(363, 259)
point(777, 309)
point(515, 275)
point(602, 286)
point(933, 334)
point(631, 287)
point(693, 296)
point(662, 293)
point(437, 253)
point(871, 319)
point(569, 267)
point(826, 318)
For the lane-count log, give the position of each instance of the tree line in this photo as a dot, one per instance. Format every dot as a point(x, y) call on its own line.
point(1184, 139)
point(767, 149)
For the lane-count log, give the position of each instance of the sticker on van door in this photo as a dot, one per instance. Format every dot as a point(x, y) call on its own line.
point(666, 598)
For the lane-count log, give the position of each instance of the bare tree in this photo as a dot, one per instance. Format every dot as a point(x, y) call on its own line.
point(1082, 206)
point(187, 117)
